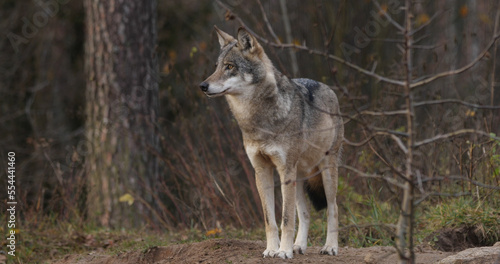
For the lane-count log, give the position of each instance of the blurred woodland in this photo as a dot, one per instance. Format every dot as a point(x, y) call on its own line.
point(203, 178)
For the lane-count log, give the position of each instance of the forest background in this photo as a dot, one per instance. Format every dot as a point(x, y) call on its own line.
point(201, 179)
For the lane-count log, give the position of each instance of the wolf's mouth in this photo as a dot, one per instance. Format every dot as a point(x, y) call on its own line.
point(217, 94)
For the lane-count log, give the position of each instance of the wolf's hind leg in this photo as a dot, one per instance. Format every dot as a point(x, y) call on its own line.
point(330, 183)
point(288, 176)
point(300, 244)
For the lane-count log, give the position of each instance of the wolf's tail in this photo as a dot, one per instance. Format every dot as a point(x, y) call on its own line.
point(316, 191)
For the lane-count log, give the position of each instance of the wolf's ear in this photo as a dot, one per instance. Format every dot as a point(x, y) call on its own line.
point(224, 38)
point(246, 41)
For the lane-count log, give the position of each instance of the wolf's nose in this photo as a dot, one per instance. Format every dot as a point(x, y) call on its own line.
point(204, 86)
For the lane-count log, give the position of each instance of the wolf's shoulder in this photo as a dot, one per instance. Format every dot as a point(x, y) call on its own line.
point(309, 84)
point(313, 89)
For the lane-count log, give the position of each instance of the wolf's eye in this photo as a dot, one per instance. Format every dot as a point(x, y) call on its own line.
point(229, 67)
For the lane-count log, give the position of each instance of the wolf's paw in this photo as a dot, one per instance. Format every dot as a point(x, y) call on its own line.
point(284, 254)
point(297, 249)
point(269, 253)
point(329, 250)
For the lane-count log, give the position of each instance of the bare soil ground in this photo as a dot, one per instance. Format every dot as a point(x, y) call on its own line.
point(245, 251)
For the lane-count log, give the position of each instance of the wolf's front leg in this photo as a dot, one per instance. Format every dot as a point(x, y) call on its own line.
point(265, 186)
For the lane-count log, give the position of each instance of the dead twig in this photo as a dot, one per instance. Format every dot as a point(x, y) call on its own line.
point(268, 24)
point(455, 101)
point(453, 134)
point(457, 71)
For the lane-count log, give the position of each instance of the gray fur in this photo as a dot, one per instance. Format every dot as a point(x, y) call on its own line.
point(310, 87)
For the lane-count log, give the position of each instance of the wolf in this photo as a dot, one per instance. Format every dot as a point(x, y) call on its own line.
point(292, 125)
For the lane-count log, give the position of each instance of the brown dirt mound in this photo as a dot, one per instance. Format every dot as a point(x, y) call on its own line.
point(458, 238)
point(244, 251)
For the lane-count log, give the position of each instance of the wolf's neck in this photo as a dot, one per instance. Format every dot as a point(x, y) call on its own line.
point(269, 101)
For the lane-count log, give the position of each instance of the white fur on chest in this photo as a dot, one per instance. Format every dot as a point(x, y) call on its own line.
point(272, 151)
point(275, 152)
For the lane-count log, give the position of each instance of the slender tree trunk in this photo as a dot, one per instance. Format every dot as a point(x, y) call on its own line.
point(404, 231)
point(289, 38)
point(121, 109)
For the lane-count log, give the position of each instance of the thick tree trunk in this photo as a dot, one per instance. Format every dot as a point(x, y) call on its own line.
point(121, 109)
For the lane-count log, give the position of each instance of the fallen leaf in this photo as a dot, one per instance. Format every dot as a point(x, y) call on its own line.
point(212, 232)
point(126, 198)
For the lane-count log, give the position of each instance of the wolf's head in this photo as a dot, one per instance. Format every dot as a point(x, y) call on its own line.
point(241, 65)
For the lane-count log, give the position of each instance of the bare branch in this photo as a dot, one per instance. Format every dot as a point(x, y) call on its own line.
point(453, 134)
point(374, 176)
point(389, 18)
point(440, 194)
point(400, 144)
point(390, 227)
point(388, 131)
point(269, 27)
point(395, 138)
point(420, 39)
point(457, 71)
point(427, 47)
point(340, 60)
point(358, 144)
point(419, 181)
point(400, 41)
point(241, 21)
point(364, 71)
point(381, 156)
point(423, 103)
point(492, 87)
point(312, 51)
point(460, 178)
point(288, 35)
point(384, 113)
point(426, 23)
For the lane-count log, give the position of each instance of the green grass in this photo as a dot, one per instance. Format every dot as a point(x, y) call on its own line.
point(41, 240)
point(366, 220)
point(463, 212)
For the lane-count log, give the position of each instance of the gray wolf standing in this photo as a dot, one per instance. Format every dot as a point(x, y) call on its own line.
point(293, 125)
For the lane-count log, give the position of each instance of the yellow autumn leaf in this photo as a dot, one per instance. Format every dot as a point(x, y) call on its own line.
point(126, 198)
point(212, 232)
point(470, 113)
point(485, 19)
point(464, 11)
point(172, 55)
point(383, 9)
point(401, 129)
point(422, 19)
point(193, 51)
point(167, 68)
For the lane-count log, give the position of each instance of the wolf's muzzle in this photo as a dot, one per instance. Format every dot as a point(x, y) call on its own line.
point(204, 86)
